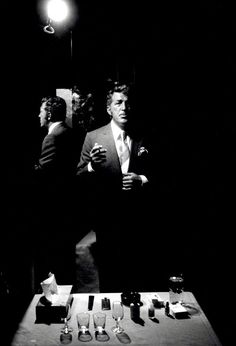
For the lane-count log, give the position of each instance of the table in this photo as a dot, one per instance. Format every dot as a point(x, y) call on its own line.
point(166, 331)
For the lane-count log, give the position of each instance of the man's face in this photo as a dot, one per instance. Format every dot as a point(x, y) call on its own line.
point(43, 115)
point(119, 109)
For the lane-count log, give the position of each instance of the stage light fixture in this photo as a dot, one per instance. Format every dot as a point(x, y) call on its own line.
point(57, 11)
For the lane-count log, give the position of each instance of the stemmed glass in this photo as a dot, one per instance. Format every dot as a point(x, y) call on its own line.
point(66, 336)
point(99, 319)
point(117, 314)
point(83, 319)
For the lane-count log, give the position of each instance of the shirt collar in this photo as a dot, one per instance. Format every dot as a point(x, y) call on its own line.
point(52, 127)
point(116, 130)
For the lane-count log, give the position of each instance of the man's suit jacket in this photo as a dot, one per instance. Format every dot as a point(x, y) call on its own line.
point(56, 235)
point(54, 172)
point(105, 185)
point(57, 161)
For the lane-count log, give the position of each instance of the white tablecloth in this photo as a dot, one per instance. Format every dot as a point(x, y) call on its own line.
point(195, 330)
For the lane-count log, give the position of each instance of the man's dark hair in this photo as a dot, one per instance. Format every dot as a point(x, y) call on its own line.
point(118, 86)
point(56, 106)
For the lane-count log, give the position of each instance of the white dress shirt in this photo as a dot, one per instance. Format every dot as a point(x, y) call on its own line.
point(117, 134)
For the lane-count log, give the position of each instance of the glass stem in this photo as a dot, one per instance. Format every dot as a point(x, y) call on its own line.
point(118, 323)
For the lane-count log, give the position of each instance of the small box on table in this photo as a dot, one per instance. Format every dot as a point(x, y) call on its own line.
point(178, 311)
point(58, 309)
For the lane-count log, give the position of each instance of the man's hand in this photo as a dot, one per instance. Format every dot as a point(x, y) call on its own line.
point(97, 156)
point(131, 181)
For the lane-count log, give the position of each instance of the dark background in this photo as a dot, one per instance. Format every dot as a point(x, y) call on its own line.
point(181, 56)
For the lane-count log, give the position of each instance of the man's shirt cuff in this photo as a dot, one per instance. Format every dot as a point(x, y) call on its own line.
point(144, 179)
point(90, 169)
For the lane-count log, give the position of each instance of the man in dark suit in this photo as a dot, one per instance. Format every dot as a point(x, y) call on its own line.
point(54, 171)
point(116, 167)
point(56, 158)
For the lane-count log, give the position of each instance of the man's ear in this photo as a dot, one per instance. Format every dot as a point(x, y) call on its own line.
point(109, 110)
point(49, 116)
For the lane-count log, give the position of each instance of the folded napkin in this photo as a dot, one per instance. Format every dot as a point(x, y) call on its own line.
point(50, 288)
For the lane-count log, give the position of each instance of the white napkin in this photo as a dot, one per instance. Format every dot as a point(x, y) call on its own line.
point(50, 288)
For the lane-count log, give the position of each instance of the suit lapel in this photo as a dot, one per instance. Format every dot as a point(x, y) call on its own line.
point(112, 156)
point(113, 162)
point(134, 153)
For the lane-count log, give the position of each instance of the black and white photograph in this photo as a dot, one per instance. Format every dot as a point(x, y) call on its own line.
point(119, 152)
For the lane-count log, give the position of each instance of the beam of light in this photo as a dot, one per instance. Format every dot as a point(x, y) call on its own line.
point(57, 10)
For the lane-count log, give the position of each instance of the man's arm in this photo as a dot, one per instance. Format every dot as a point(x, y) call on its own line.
point(48, 155)
point(82, 167)
point(144, 179)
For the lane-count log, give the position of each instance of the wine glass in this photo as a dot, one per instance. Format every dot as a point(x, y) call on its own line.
point(66, 336)
point(117, 314)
